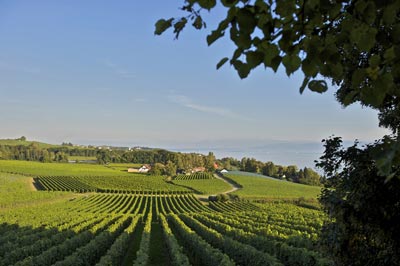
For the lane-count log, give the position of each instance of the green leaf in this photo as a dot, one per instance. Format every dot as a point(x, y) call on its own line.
point(349, 98)
point(358, 77)
point(375, 96)
point(198, 23)
point(246, 21)
point(335, 10)
point(215, 35)
point(396, 33)
point(275, 62)
point(374, 61)
point(262, 5)
point(178, 26)
point(222, 62)
point(389, 54)
point(370, 12)
point(254, 58)
point(367, 40)
point(291, 62)
point(389, 15)
point(207, 4)
point(285, 7)
point(319, 86)
point(309, 67)
point(243, 40)
point(285, 43)
point(337, 71)
point(229, 3)
point(162, 25)
point(385, 156)
point(242, 68)
point(303, 86)
point(238, 52)
point(271, 51)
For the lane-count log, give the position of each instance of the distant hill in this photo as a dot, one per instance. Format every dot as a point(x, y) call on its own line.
point(17, 142)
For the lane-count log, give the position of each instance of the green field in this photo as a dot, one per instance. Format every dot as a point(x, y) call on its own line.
point(14, 142)
point(268, 188)
point(57, 169)
point(205, 186)
point(123, 167)
point(16, 190)
point(195, 176)
point(143, 220)
point(82, 158)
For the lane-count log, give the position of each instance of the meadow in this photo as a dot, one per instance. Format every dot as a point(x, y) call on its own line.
point(16, 190)
point(82, 158)
point(257, 187)
point(57, 169)
point(141, 221)
point(18, 142)
point(205, 186)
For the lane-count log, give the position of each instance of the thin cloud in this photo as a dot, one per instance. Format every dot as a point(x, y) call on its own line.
point(188, 103)
point(118, 70)
point(25, 69)
point(140, 100)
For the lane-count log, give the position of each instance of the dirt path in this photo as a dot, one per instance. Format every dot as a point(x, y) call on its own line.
point(233, 185)
point(31, 185)
point(221, 177)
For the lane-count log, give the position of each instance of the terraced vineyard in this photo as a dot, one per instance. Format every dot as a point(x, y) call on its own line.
point(195, 176)
point(62, 183)
point(204, 186)
point(154, 227)
point(110, 184)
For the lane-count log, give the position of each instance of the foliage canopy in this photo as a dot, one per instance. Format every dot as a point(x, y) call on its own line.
point(355, 44)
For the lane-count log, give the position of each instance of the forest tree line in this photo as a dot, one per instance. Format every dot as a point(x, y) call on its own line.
point(34, 152)
point(168, 162)
point(163, 161)
point(290, 173)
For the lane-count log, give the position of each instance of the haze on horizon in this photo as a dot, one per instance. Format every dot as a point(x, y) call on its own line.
point(92, 72)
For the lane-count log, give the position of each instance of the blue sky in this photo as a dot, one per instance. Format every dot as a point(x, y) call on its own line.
point(93, 72)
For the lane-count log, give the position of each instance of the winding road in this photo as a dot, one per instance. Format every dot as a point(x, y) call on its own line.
point(221, 177)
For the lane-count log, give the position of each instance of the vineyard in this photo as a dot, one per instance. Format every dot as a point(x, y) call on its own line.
point(195, 176)
point(257, 187)
point(204, 186)
point(143, 226)
point(109, 184)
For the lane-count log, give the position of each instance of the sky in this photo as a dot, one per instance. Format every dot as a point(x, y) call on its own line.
point(93, 72)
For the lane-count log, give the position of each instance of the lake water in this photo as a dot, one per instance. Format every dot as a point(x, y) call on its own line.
point(302, 155)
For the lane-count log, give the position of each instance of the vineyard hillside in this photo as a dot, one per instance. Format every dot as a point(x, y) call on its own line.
point(259, 187)
point(93, 215)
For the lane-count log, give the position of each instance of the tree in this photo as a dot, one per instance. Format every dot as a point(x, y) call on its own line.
point(103, 157)
point(309, 177)
point(23, 138)
point(291, 173)
point(157, 169)
point(209, 163)
point(60, 157)
point(355, 44)
point(170, 169)
point(269, 169)
point(364, 207)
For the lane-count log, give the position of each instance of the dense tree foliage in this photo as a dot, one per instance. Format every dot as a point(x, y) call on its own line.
point(364, 206)
point(291, 173)
point(184, 161)
point(356, 45)
point(32, 153)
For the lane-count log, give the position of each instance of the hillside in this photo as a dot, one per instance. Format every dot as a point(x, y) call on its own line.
point(17, 142)
point(259, 187)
